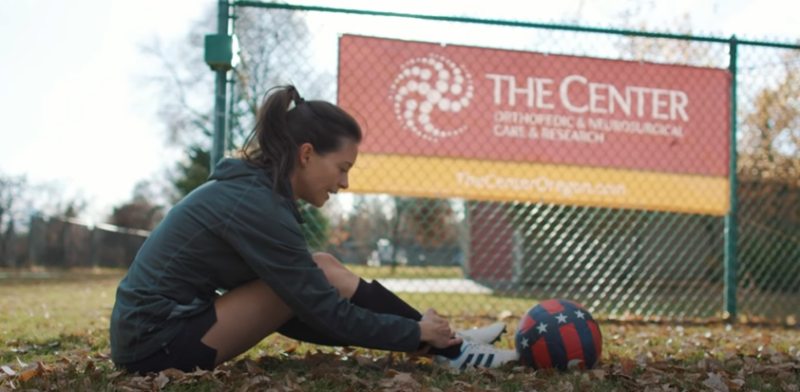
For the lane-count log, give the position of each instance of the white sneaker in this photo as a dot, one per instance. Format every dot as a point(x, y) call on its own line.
point(485, 335)
point(474, 354)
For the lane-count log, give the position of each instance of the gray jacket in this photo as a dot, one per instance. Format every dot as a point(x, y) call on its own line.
point(230, 231)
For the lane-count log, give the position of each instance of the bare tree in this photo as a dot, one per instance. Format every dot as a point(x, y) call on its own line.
point(771, 131)
point(405, 222)
point(370, 220)
point(53, 200)
point(12, 192)
point(771, 127)
point(141, 212)
point(275, 49)
point(667, 51)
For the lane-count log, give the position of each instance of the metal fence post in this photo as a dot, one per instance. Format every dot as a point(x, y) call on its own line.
point(730, 219)
point(232, 94)
point(219, 139)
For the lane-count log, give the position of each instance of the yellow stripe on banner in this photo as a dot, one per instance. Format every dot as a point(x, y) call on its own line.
point(434, 177)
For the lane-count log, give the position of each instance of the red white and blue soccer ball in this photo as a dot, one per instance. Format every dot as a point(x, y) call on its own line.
point(558, 334)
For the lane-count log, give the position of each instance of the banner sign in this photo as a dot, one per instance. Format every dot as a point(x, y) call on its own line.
point(565, 114)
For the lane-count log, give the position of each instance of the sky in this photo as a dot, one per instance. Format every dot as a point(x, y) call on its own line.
point(74, 110)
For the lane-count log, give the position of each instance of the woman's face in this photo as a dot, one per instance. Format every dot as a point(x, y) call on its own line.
point(317, 176)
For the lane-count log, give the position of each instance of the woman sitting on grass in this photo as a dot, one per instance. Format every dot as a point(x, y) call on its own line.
point(240, 232)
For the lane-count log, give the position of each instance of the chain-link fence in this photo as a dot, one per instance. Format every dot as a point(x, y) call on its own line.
point(505, 162)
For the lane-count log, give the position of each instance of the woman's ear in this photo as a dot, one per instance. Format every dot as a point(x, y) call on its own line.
point(306, 153)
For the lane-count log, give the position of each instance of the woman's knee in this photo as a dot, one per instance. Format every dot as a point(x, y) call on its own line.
point(327, 262)
point(338, 275)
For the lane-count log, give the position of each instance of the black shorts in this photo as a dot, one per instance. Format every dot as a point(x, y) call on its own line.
point(186, 352)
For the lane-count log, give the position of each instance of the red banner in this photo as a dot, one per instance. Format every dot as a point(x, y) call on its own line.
point(465, 102)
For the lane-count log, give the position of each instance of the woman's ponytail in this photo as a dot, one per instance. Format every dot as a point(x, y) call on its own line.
point(285, 122)
point(277, 150)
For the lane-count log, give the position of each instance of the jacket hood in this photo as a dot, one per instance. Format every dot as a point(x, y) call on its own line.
point(234, 168)
point(230, 168)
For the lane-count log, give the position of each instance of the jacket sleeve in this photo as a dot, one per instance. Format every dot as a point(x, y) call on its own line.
point(269, 240)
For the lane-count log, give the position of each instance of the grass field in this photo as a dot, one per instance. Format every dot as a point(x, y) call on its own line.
point(384, 272)
point(53, 336)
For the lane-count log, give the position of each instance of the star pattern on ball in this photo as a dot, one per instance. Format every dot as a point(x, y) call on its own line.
point(559, 333)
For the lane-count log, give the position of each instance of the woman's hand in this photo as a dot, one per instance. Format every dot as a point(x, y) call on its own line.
point(436, 331)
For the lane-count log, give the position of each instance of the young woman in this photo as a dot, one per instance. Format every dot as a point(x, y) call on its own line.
point(240, 232)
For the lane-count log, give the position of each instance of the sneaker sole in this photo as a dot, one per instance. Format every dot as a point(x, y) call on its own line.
point(499, 336)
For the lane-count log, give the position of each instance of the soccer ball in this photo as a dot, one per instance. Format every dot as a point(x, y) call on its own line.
point(559, 334)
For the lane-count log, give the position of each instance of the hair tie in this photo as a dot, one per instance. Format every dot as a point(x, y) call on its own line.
point(294, 102)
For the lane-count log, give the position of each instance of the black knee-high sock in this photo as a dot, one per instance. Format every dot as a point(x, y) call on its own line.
point(382, 300)
point(374, 297)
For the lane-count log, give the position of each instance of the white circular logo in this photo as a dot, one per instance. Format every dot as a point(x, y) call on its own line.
point(430, 85)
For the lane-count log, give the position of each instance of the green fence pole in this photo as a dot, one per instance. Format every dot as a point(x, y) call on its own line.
point(730, 219)
point(219, 138)
point(232, 94)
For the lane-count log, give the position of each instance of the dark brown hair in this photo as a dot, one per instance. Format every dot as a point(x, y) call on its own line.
point(285, 122)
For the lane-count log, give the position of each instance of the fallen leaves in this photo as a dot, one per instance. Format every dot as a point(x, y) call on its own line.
point(641, 359)
point(7, 370)
point(400, 382)
point(716, 383)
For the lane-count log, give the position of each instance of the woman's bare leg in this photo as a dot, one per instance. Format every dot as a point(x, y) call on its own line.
point(248, 314)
